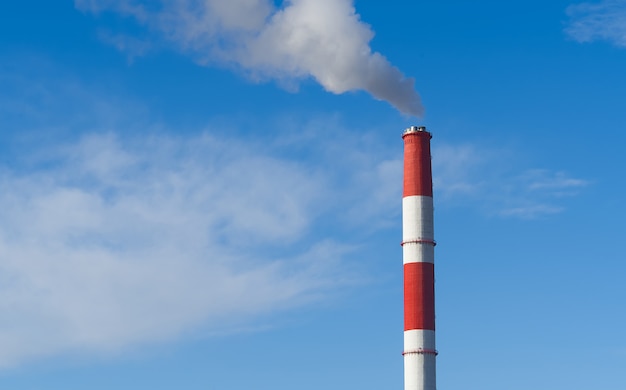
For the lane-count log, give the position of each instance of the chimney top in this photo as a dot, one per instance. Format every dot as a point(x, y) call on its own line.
point(414, 129)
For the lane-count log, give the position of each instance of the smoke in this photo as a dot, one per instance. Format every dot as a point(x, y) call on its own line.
point(322, 39)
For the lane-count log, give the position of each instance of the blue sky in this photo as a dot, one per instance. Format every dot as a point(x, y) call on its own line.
point(210, 199)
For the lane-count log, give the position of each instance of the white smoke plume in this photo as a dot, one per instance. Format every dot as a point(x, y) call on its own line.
point(322, 39)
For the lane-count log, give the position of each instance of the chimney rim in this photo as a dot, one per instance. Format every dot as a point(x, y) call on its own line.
point(414, 129)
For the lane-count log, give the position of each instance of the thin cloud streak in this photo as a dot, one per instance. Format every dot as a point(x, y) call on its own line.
point(557, 183)
point(605, 21)
point(469, 174)
point(117, 245)
point(455, 170)
point(531, 211)
point(322, 39)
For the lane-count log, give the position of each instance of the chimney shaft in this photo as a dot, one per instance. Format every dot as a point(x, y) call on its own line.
point(418, 257)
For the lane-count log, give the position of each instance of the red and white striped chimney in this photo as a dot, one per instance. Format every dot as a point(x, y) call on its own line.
point(418, 255)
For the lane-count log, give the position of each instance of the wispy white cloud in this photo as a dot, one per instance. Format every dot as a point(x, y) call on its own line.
point(531, 211)
point(471, 174)
point(604, 20)
point(113, 238)
point(539, 192)
point(455, 169)
point(122, 243)
point(556, 183)
point(321, 39)
point(133, 46)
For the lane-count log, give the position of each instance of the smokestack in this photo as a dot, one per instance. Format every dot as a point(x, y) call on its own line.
point(418, 254)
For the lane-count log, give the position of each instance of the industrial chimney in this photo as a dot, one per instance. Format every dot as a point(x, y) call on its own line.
point(418, 254)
